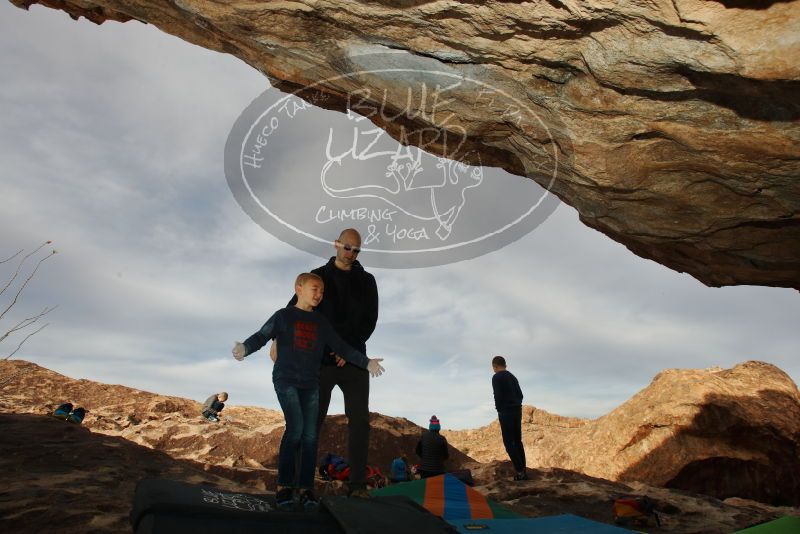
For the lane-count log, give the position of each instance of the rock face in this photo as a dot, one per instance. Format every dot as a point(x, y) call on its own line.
point(66, 478)
point(243, 447)
point(726, 433)
point(58, 477)
point(552, 491)
point(670, 125)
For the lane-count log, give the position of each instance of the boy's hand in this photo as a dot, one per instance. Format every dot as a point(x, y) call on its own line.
point(273, 351)
point(340, 362)
point(375, 368)
point(239, 350)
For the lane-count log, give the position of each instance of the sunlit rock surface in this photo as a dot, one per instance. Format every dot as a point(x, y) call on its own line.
point(722, 432)
point(670, 125)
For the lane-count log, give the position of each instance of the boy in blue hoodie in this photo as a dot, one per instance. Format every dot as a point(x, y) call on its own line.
point(301, 335)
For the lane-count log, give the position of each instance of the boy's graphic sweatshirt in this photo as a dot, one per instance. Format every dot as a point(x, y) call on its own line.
point(301, 337)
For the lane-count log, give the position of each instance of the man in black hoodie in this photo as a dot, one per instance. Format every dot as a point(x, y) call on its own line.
point(350, 303)
point(508, 401)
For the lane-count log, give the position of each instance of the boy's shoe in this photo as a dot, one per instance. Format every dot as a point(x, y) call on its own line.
point(76, 416)
point(212, 418)
point(62, 412)
point(284, 498)
point(309, 501)
point(521, 475)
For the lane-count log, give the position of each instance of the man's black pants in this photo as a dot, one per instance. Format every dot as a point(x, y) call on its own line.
point(511, 428)
point(354, 383)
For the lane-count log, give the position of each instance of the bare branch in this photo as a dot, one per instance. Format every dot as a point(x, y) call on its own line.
point(21, 262)
point(26, 339)
point(12, 257)
point(27, 322)
point(26, 280)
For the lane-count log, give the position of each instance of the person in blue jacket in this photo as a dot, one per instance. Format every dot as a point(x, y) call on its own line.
point(400, 471)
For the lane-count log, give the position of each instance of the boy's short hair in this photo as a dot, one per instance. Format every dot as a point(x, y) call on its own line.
point(499, 361)
point(302, 278)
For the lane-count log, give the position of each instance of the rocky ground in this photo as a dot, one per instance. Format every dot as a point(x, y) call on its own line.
point(68, 478)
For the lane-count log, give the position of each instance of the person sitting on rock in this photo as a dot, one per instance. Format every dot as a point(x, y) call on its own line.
point(400, 471)
point(432, 449)
point(214, 405)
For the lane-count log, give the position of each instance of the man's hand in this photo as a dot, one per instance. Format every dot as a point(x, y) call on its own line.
point(375, 368)
point(273, 351)
point(239, 350)
point(340, 362)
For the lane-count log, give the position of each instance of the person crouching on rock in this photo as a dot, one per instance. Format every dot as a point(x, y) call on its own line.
point(213, 405)
point(301, 335)
point(432, 449)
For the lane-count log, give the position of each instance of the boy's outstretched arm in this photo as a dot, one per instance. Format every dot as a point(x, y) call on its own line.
point(350, 354)
point(257, 340)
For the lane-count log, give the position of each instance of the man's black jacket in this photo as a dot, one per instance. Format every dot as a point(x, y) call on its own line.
point(432, 450)
point(350, 303)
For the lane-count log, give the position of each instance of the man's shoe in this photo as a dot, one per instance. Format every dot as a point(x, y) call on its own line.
point(309, 501)
point(521, 475)
point(284, 498)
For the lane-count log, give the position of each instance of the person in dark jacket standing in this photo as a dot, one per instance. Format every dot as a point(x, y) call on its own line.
point(350, 303)
point(432, 449)
point(508, 401)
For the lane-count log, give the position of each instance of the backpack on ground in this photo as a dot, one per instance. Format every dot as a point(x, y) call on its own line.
point(334, 467)
point(374, 477)
point(62, 412)
point(634, 509)
point(77, 416)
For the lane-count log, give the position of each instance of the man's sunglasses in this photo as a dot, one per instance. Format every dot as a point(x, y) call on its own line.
point(347, 247)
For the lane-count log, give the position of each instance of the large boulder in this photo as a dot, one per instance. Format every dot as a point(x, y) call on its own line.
point(671, 125)
point(722, 432)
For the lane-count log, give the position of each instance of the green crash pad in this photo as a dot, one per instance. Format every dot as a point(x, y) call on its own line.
point(784, 525)
point(554, 524)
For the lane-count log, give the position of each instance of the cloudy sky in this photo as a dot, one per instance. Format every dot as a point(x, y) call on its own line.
point(112, 141)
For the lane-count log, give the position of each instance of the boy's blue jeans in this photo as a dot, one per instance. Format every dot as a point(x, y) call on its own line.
point(300, 410)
